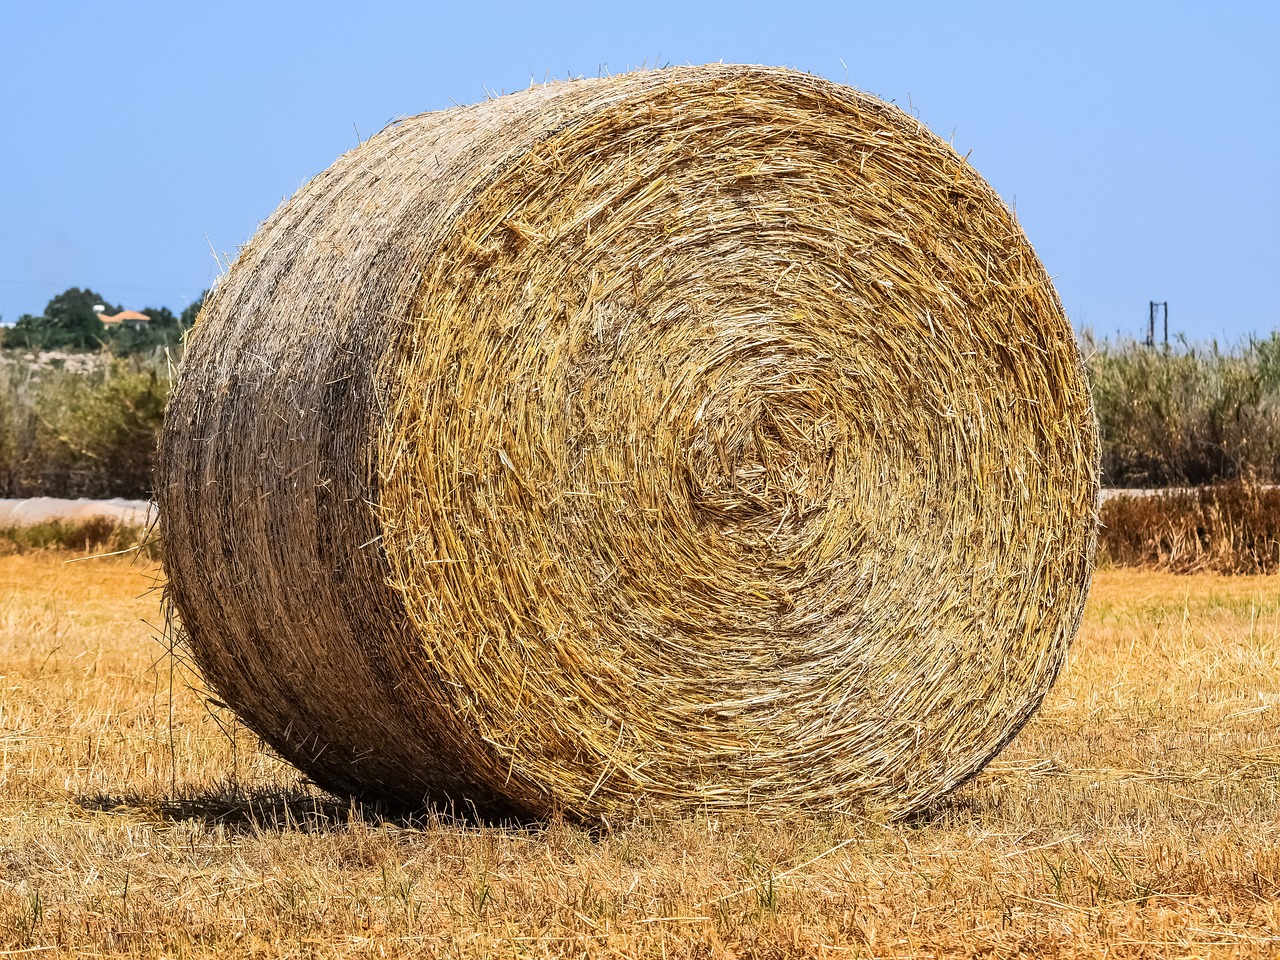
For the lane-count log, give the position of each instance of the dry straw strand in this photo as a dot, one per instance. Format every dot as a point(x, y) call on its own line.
point(701, 438)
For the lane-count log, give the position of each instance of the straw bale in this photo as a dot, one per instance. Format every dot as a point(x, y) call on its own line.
point(706, 438)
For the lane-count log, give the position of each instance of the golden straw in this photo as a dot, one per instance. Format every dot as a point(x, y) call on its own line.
point(701, 438)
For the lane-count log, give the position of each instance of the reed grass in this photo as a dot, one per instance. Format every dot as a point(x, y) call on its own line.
point(1196, 413)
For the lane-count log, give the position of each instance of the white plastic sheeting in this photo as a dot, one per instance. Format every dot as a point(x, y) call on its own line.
point(22, 513)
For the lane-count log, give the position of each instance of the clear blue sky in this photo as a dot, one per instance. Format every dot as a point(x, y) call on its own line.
point(1138, 141)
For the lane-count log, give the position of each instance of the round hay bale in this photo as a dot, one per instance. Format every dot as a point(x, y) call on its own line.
point(702, 438)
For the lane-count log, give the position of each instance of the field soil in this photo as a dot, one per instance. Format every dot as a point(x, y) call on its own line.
point(1137, 815)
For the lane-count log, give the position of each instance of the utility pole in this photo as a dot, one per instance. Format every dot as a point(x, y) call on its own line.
point(1155, 309)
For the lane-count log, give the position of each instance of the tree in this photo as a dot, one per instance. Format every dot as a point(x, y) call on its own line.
point(22, 333)
point(188, 317)
point(161, 329)
point(72, 313)
point(69, 320)
point(162, 318)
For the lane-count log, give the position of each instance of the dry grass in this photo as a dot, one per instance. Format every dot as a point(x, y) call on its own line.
point(1227, 528)
point(1136, 815)
point(96, 535)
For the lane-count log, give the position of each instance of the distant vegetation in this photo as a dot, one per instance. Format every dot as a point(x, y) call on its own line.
point(97, 535)
point(70, 321)
point(81, 402)
point(81, 405)
point(1187, 415)
point(1226, 528)
point(79, 425)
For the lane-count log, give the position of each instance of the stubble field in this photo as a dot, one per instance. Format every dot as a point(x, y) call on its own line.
point(1137, 815)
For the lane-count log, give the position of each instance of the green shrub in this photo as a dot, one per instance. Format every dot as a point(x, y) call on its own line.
point(79, 425)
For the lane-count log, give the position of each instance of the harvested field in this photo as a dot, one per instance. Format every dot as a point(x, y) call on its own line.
point(1136, 815)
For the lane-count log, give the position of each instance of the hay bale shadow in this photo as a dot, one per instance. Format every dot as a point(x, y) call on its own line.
point(286, 810)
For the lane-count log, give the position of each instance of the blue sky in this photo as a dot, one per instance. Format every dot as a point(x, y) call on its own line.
point(142, 141)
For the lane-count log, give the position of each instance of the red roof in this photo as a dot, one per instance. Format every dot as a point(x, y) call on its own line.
point(124, 315)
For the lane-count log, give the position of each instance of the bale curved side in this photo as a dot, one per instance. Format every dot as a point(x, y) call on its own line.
point(706, 437)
